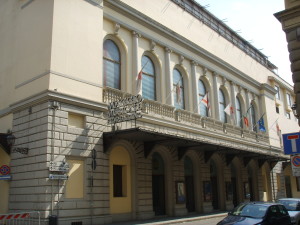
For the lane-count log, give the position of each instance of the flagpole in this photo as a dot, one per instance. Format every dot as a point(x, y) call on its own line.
point(141, 71)
point(259, 120)
point(273, 124)
point(245, 115)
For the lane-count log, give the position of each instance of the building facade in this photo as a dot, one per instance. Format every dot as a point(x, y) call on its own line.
point(119, 111)
point(290, 21)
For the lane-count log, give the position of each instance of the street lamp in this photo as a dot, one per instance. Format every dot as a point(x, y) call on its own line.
point(10, 140)
point(294, 108)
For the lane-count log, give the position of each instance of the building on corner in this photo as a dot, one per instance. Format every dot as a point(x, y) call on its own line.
point(72, 73)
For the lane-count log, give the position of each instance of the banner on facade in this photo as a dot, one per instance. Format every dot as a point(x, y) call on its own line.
point(125, 109)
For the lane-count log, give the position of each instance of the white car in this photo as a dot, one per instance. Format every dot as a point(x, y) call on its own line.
point(293, 207)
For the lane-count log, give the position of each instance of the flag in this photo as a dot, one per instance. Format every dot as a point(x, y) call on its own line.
point(204, 100)
point(261, 124)
point(246, 121)
point(178, 93)
point(139, 81)
point(229, 110)
point(278, 129)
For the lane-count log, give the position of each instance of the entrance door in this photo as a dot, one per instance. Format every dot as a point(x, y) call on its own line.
point(215, 195)
point(288, 187)
point(158, 185)
point(214, 185)
point(158, 191)
point(234, 185)
point(189, 184)
point(234, 192)
point(251, 189)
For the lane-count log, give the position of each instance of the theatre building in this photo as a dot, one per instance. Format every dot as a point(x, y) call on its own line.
point(128, 110)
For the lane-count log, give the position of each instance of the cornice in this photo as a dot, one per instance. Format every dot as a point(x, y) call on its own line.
point(282, 83)
point(49, 95)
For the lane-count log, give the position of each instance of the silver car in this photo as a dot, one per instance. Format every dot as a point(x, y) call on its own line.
point(293, 207)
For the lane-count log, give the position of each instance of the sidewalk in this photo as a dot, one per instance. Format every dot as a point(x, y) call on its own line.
point(171, 220)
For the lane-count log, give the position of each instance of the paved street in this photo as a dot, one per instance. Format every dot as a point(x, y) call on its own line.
point(208, 219)
point(211, 221)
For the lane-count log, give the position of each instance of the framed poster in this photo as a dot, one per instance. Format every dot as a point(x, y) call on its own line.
point(229, 191)
point(246, 190)
point(180, 192)
point(207, 191)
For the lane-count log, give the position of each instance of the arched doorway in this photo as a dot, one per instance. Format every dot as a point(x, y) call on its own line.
point(234, 185)
point(250, 182)
point(214, 184)
point(120, 181)
point(158, 184)
point(189, 184)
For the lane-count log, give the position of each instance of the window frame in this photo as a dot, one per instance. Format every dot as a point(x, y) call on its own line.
point(222, 106)
point(153, 76)
point(200, 97)
point(114, 62)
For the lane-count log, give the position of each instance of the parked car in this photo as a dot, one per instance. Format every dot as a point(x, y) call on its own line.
point(293, 207)
point(258, 213)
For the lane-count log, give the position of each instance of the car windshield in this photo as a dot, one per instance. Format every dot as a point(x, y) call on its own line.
point(250, 210)
point(290, 205)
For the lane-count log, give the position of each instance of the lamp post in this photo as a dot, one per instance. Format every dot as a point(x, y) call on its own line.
point(294, 108)
point(10, 140)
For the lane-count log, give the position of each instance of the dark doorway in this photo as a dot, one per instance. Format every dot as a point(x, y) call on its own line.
point(214, 185)
point(158, 185)
point(288, 187)
point(234, 186)
point(250, 181)
point(189, 184)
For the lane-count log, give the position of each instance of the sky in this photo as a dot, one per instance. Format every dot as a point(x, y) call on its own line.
point(254, 20)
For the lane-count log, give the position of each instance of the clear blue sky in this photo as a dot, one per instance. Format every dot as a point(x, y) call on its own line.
point(255, 22)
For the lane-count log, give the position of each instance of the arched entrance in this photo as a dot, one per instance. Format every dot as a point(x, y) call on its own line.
point(120, 181)
point(234, 185)
point(214, 184)
point(158, 184)
point(250, 182)
point(189, 184)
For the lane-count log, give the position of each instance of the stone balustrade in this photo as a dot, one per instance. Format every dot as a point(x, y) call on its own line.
point(170, 113)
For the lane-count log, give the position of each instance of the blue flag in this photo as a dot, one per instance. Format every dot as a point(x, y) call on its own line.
point(261, 124)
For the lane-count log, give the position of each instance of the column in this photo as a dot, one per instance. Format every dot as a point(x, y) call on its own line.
point(233, 102)
point(169, 79)
point(135, 62)
point(194, 80)
point(215, 100)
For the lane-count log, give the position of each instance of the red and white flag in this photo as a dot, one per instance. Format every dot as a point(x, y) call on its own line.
point(229, 110)
point(139, 82)
point(246, 121)
point(278, 129)
point(204, 101)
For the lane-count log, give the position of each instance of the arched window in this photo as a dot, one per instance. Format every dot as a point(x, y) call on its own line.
point(239, 113)
point(178, 89)
point(111, 65)
point(148, 80)
point(253, 117)
point(222, 106)
point(201, 93)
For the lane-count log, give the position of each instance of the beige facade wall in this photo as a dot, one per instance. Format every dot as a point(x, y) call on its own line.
point(194, 30)
point(26, 49)
point(76, 50)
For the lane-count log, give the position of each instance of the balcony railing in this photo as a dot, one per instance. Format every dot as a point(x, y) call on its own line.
point(170, 113)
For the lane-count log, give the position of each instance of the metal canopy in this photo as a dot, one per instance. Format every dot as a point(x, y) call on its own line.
point(152, 138)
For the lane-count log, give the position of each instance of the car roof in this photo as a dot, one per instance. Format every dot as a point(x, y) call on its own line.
point(290, 199)
point(262, 203)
